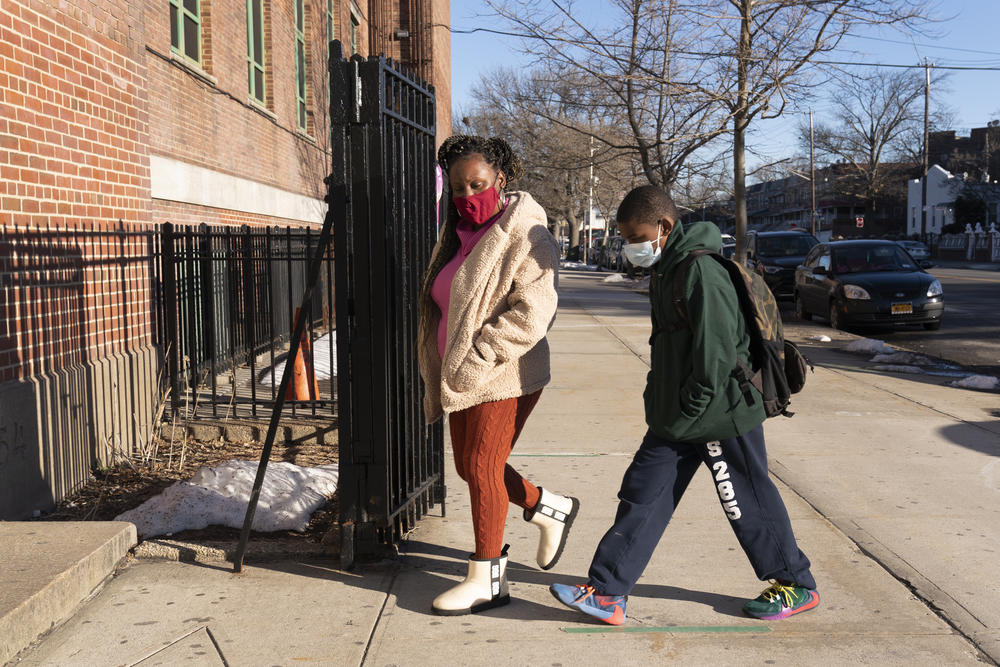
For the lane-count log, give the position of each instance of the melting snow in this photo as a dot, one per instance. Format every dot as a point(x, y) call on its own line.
point(904, 358)
point(869, 346)
point(218, 497)
point(977, 382)
point(579, 266)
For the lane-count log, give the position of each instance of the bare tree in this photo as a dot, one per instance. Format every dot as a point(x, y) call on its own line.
point(632, 72)
point(679, 73)
point(557, 155)
point(875, 116)
point(765, 51)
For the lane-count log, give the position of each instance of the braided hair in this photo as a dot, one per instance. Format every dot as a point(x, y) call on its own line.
point(499, 155)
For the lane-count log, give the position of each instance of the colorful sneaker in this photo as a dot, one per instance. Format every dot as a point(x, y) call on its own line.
point(608, 608)
point(780, 601)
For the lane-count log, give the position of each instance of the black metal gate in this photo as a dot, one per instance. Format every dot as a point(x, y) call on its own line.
point(383, 179)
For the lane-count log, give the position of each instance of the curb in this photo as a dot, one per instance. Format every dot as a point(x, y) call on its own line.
point(50, 570)
point(215, 552)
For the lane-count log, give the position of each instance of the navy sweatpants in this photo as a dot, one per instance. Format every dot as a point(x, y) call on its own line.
point(654, 484)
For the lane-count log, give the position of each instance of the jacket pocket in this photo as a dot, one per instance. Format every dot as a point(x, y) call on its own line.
point(474, 371)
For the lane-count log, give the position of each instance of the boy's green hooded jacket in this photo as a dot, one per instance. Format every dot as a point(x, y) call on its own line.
point(691, 394)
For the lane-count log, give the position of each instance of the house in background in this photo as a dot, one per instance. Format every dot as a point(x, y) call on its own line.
point(943, 188)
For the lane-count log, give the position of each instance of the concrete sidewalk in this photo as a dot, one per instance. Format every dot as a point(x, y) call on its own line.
point(891, 483)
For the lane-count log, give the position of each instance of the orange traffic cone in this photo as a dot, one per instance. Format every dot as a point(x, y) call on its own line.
point(303, 386)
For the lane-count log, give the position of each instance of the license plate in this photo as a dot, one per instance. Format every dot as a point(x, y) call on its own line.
point(902, 309)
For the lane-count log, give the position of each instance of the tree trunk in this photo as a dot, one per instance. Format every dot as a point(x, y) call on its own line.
point(740, 122)
point(739, 183)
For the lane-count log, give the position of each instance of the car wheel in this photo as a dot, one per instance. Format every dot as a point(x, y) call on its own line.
point(836, 321)
point(800, 309)
point(932, 326)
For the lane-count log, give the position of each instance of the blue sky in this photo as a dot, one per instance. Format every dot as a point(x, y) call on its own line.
point(969, 37)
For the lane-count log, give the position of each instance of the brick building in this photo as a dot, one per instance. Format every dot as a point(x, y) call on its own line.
point(117, 115)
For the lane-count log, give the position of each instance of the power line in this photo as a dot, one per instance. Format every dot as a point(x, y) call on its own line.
point(926, 46)
point(706, 54)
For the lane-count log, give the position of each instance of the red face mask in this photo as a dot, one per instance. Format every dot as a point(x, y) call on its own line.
point(478, 208)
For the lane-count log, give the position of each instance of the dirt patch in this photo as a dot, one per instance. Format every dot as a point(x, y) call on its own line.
point(111, 491)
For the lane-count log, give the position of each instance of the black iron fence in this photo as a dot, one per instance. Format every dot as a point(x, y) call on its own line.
point(227, 309)
point(383, 182)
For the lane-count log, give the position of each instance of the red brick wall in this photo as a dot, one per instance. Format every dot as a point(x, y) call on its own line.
point(69, 295)
point(73, 116)
point(208, 118)
point(74, 135)
point(191, 214)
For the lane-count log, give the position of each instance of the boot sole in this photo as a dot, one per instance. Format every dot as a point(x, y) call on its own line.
point(565, 534)
point(474, 609)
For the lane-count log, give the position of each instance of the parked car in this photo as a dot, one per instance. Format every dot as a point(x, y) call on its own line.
point(611, 256)
point(918, 251)
point(775, 255)
point(728, 246)
point(866, 282)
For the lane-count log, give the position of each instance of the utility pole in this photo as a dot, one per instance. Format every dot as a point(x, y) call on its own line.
point(812, 177)
point(590, 200)
point(927, 134)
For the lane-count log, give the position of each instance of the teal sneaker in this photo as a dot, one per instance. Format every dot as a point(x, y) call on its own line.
point(781, 600)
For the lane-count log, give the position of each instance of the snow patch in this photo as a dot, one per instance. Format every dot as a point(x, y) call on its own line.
point(579, 266)
point(219, 496)
point(904, 358)
point(615, 278)
point(977, 382)
point(869, 346)
point(821, 338)
point(899, 368)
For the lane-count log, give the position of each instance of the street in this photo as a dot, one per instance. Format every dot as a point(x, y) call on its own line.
point(970, 334)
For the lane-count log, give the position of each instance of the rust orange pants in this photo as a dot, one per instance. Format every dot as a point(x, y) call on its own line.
point(482, 437)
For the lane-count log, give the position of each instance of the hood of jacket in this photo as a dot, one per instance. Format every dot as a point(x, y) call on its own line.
point(699, 235)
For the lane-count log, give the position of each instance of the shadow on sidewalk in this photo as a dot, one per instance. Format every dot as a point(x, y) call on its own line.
point(426, 559)
point(978, 436)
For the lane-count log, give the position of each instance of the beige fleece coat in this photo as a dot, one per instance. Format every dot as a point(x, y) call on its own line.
point(503, 302)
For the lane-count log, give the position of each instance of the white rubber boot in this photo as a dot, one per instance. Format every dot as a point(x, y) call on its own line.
point(485, 587)
point(554, 516)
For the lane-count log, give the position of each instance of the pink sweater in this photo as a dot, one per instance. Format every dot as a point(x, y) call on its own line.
point(468, 235)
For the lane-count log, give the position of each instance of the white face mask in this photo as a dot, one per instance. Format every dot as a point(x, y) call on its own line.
point(642, 254)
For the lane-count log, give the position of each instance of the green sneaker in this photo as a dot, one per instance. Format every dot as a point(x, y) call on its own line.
point(780, 601)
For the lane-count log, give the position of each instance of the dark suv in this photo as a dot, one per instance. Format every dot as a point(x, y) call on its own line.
point(775, 255)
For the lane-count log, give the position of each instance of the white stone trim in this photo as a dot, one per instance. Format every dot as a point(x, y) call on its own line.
point(173, 180)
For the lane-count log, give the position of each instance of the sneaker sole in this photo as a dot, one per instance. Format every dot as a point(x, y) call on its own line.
point(812, 604)
point(565, 534)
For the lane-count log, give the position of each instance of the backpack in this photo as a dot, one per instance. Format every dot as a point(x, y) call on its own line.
point(779, 369)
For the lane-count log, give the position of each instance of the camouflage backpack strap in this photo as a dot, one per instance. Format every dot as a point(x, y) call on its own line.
point(679, 283)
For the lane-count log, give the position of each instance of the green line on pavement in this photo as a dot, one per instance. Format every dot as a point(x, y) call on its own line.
point(670, 629)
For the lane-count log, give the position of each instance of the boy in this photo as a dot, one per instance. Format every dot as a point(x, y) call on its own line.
point(696, 412)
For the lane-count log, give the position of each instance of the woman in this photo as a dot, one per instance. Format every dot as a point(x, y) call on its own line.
point(488, 300)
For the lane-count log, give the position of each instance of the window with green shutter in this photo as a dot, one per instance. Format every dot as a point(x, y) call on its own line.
point(255, 49)
point(331, 24)
point(185, 28)
point(355, 28)
point(300, 63)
